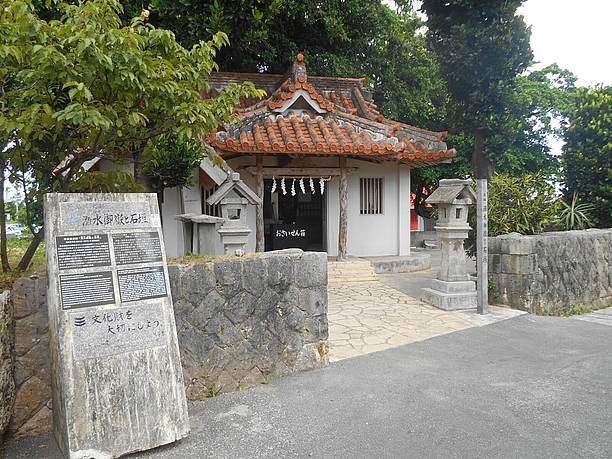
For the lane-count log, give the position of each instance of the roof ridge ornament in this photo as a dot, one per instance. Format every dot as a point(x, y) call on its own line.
point(298, 70)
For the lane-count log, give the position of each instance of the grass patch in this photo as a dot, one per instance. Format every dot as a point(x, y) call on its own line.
point(574, 311)
point(16, 249)
point(196, 258)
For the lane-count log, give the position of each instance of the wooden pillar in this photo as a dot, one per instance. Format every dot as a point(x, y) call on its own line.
point(482, 246)
point(259, 216)
point(342, 227)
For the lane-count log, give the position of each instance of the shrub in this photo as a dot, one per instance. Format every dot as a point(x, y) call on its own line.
point(526, 204)
point(575, 214)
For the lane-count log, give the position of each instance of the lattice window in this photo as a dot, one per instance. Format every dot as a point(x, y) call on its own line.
point(371, 196)
point(207, 209)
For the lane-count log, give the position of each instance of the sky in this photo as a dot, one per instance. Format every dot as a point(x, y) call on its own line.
point(574, 34)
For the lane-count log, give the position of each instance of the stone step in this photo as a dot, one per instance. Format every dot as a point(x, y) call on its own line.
point(352, 276)
point(358, 271)
point(402, 264)
point(350, 268)
point(370, 272)
point(350, 273)
point(351, 281)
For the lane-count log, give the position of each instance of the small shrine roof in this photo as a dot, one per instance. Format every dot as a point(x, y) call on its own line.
point(449, 190)
point(324, 116)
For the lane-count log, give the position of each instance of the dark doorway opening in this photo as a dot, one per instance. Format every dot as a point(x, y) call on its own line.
point(293, 221)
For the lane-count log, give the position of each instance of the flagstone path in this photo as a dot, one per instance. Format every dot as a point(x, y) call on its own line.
point(368, 316)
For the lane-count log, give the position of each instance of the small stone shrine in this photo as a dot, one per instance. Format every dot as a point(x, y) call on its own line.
point(452, 289)
point(116, 372)
point(233, 196)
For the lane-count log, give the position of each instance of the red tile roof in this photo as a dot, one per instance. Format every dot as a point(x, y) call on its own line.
point(332, 117)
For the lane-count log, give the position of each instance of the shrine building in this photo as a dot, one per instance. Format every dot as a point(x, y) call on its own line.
point(333, 172)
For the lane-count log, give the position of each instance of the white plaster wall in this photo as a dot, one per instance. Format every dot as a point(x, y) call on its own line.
point(372, 235)
point(251, 210)
point(333, 205)
point(172, 228)
point(368, 235)
point(171, 207)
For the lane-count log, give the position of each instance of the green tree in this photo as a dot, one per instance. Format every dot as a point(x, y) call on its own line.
point(86, 86)
point(540, 99)
point(4, 262)
point(171, 163)
point(338, 37)
point(587, 154)
point(367, 38)
point(17, 212)
point(387, 46)
point(481, 47)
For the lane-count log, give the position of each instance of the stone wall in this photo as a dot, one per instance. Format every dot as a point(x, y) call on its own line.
point(32, 410)
point(7, 385)
point(551, 273)
point(240, 322)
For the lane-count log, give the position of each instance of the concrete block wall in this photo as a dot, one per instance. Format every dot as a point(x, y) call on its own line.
point(240, 322)
point(552, 272)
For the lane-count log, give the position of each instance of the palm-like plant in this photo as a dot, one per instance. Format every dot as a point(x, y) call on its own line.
point(575, 215)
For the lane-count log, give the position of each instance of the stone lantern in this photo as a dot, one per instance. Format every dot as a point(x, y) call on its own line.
point(452, 289)
point(233, 196)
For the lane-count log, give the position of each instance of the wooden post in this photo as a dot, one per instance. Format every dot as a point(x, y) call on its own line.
point(483, 170)
point(482, 246)
point(259, 216)
point(342, 227)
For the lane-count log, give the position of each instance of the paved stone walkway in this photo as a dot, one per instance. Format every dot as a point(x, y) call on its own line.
point(371, 316)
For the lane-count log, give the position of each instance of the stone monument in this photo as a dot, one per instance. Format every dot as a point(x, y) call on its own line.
point(452, 289)
point(116, 372)
point(233, 196)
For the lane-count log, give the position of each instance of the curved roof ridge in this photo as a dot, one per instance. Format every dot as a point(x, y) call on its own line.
point(422, 134)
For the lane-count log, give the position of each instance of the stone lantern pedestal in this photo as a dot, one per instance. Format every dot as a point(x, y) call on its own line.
point(452, 289)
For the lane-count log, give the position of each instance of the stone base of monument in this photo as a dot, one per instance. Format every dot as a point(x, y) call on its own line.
point(450, 296)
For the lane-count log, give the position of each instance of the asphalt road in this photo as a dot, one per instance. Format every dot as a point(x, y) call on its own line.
point(526, 387)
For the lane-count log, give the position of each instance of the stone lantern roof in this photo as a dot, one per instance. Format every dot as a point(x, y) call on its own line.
point(453, 191)
point(233, 183)
point(321, 116)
